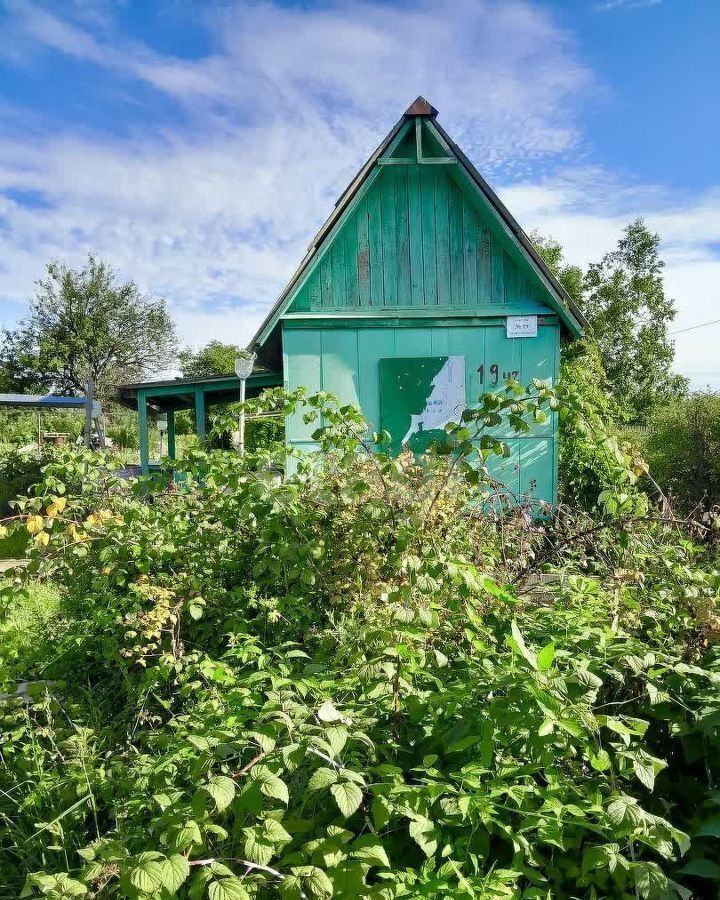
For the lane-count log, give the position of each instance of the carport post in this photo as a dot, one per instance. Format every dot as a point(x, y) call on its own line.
point(144, 441)
point(200, 413)
point(171, 433)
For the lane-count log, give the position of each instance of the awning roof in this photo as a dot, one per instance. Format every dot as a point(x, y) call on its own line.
point(179, 393)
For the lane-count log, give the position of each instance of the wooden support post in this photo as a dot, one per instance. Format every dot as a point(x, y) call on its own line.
point(144, 438)
point(171, 433)
point(89, 397)
point(200, 414)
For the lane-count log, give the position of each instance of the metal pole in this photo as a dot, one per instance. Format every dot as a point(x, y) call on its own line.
point(241, 424)
point(88, 411)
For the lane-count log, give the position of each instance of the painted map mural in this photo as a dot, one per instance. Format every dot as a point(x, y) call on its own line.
point(418, 397)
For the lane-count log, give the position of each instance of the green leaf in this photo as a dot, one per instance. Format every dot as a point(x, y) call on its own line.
point(380, 809)
point(174, 872)
point(322, 778)
point(147, 876)
point(328, 713)
point(370, 850)
point(650, 879)
point(270, 784)
point(546, 657)
point(318, 883)
point(600, 761)
point(517, 643)
point(227, 889)
point(645, 772)
point(348, 797)
point(259, 848)
point(423, 832)
point(292, 888)
point(702, 868)
point(222, 790)
point(188, 835)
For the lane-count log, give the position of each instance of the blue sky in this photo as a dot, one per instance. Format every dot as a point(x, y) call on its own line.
point(197, 146)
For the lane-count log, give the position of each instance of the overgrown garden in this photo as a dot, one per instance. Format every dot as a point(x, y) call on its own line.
point(375, 678)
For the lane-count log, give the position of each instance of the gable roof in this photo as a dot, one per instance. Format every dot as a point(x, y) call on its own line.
point(558, 299)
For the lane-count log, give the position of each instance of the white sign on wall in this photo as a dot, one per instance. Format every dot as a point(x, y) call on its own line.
point(521, 326)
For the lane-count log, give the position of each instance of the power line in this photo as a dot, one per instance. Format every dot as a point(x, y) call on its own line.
point(693, 327)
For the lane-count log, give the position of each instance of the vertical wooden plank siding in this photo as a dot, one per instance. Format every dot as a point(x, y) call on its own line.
point(339, 364)
point(429, 235)
point(418, 239)
point(345, 361)
point(457, 278)
point(402, 229)
point(363, 254)
point(510, 274)
point(417, 297)
point(349, 240)
point(498, 274)
point(389, 238)
point(375, 247)
point(484, 264)
point(373, 344)
point(313, 290)
point(337, 260)
point(442, 244)
point(470, 239)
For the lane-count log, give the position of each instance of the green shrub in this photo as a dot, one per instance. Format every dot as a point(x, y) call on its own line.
point(339, 685)
point(683, 451)
point(18, 473)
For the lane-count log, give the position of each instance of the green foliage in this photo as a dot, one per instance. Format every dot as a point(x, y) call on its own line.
point(337, 685)
point(18, 473)
point(624, 301)
point(590, 459)
point(215, 358)
point(569, 276)
point(683, 450)
point(83, 324)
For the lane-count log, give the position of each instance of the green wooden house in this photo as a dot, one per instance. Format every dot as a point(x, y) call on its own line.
point(418, 294)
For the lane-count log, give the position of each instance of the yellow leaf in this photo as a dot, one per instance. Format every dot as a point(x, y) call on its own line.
point(42, 539)
point(34, 524)
point(3, 531)
point(56, 507)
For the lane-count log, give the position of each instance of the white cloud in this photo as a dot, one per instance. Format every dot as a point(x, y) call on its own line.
point(586, 211)
point(626, 4)
point(215, 212)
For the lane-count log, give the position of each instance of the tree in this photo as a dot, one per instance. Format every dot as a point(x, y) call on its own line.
point(624, 301)
point(85, 324)
point(214, 358)
point(569, 276)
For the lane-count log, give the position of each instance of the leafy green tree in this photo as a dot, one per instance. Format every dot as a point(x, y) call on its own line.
point(569, 276)
point(625, 303)
point(85, 324)
point(20, 371)
point(215, 358)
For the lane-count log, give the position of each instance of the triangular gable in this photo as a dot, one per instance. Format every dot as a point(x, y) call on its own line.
point(416, 139)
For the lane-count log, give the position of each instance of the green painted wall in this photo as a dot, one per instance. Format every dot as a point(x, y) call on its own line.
point(417, 238)
point(346, 361)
